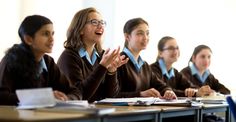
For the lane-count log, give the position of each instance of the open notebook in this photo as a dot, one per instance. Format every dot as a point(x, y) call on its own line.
point(43, 99)
point(144, 101)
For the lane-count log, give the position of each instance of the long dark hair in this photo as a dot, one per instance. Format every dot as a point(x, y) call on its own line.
point(21, 63)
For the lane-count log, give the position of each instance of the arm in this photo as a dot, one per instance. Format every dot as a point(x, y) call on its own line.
point(217, 86)
point(7, 93)
point(59, 82)
point(80, 73)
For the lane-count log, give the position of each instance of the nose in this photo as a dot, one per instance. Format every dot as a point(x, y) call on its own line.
point(51, 38)
point(100, 25)
point(146, 36)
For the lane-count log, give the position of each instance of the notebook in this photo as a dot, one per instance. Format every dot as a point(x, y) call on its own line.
point(145, 101)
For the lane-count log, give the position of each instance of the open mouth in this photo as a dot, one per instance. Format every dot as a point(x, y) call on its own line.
point(98, 33)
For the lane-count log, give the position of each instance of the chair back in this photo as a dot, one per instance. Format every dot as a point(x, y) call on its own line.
point(232, 105)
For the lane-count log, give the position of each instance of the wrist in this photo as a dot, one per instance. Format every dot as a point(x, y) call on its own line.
point(111, 73)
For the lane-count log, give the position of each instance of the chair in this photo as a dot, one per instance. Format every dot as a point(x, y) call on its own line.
point(232, 105)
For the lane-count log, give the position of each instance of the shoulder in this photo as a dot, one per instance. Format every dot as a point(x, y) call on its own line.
point(18, 55)
point(155, 64)
point(68, 55)
point(186, 70)
point(69, 52)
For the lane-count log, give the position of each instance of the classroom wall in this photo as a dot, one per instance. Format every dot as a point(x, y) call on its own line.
point(191, 22)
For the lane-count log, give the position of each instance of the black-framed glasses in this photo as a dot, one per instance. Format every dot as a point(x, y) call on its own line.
point(171, 48)
point(96, 22)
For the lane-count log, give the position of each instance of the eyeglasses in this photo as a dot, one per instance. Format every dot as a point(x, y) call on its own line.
point(171, 48)
point(97, 22)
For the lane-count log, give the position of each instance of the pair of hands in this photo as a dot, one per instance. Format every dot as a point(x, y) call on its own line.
point(112, 59)
point(203, 91)
point(152, 92)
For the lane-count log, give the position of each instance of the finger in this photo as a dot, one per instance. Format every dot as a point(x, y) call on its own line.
point(61, 95)
point(107, 51)
point(156, 93)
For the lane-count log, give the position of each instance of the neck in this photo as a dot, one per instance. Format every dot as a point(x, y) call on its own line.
point(38, 57)
point(168, 66)
point(201, 72)
point(135, 54)
point(89, 49)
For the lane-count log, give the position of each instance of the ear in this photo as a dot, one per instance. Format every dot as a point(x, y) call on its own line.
point(159, 54)
point(28, 39)
point(81, 32)
point(193, 58)
point(126, 36)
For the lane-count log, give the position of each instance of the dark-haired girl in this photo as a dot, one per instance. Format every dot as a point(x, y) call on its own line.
point(199, 74)
point(136, 78)
point(26, 65)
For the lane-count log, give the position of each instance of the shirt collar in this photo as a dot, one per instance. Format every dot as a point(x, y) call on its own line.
point(84, 53)
point(138, 64)
point(42, 66)
point(195, 71)
point(164, 70)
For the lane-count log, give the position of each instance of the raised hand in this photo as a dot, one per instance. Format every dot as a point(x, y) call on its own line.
point(119, 61)
point(109, 56)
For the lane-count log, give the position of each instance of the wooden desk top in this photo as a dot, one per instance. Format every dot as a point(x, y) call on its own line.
point(132, 109)
point(10, 113)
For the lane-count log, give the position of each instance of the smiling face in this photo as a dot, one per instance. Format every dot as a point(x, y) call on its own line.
point(202, 59)
point(139, 37)
point(170, 53)
point(93, 32)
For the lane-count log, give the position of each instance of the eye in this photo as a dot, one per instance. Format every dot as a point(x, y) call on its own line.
point(94, 22)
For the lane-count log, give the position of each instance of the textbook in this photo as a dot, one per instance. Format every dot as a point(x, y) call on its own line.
point(212, 99)
point(43, 99)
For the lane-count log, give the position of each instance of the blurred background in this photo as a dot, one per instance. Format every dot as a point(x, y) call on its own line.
point(190, 22)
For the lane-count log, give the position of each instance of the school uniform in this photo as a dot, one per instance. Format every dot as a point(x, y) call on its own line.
point(135, 77)
point(172, 78)
point(96, 83)
point(191, 73)
point(18, 72)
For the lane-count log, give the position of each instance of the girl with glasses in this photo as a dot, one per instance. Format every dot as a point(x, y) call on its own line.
point(84, 62)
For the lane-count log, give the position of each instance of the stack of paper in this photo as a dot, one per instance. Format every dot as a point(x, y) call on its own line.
point(128, 101)
point(218, 99)
point(44, 100)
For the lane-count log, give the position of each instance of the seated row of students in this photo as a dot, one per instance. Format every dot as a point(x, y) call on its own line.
point(88, 72)
point(193, 80)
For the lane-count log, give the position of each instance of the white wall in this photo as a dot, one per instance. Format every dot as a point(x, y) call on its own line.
point(191, 22)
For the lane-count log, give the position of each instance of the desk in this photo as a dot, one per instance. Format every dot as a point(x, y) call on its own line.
point(122, 113)
point(169, 111)
point(213, 108)
point(10, 114)
point(158, 113)
point(132, 113)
